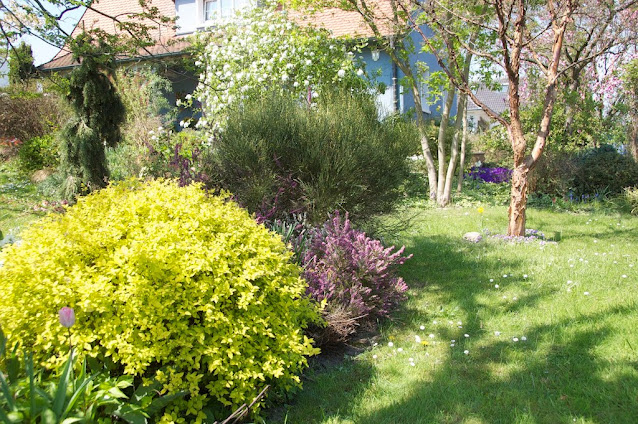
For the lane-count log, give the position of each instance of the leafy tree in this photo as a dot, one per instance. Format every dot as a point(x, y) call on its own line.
point(524, 35)
point(99, 112)
point(21, 64)
point(386, 17)
point(262, 50)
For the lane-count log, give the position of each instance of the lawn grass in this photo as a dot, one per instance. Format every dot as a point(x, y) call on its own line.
point(18, 197)
point(572, 307)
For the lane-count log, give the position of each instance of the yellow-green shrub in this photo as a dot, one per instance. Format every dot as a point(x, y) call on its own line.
point(168, 282)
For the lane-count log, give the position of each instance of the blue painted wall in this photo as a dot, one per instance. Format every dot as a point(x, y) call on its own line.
point(383, 71)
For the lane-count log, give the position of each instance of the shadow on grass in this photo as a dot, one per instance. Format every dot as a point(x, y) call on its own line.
point(561, 385)
point(556, 376)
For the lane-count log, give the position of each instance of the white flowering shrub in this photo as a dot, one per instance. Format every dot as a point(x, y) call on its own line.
point(261, 50)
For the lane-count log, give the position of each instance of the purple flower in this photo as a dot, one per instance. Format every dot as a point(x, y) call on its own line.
point(67, 317)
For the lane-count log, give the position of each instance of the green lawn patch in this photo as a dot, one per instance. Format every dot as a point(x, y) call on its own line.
point(20, 200)
point(509, 333)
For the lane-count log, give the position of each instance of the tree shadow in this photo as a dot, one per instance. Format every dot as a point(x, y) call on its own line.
point(557, 375)
point(561, 385)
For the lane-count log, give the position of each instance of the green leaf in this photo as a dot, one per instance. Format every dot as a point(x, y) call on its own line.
point(28, 365)
point(131, 414)
point(48, 417)
point(44, 395)
point(161, 402)
point(60, 395)
point(3, 417)
point(72, 420)
point(75, 397)
point(13, 369)
point(143, 391)
point(6, 392)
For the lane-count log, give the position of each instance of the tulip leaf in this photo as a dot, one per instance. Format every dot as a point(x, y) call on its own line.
point(6, 392)
point(60, 395)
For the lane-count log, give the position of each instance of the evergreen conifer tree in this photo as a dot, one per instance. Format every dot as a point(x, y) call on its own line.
point(99, 113)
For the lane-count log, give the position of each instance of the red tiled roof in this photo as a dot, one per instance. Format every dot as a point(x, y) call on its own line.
point(101, 15)
point(349, 23)
point(338, 22)
point(174, 47)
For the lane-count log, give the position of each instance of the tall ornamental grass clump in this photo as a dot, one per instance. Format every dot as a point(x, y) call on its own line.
point(168, 284)
point(280, 156)
point(354, 275)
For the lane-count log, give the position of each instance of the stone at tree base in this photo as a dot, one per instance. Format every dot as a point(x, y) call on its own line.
point(473, 237)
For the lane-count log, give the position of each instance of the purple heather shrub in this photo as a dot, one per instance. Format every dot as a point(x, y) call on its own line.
point(490, 175)
point(349, 270)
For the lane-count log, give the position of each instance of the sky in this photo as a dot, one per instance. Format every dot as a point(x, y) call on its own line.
point(42, 51)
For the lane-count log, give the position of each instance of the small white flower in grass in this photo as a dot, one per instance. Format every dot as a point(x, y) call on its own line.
point(595, 241)
point(631, 265)
point(435, 322)
point(586, 293)
point(504, 275)
point(341, 73)
point(359, 72)
point(451, 344)
point(422, 327)
point(491, 280)
point(453, 341)
point(417, 339)
point(375, 344)
point(497, 333)
point(467, 352)
point(400, 349)
point(495, 286)
point(412, 364)
point(374, 356)
point(466, 335)
point(431, 336)
point(411, 359)
point(515, 339)
point(524, 275)
point(523, 338)
point(390, 344)
point(624, 276)
point(504, 297)
point(515, 298)
point(460, 323)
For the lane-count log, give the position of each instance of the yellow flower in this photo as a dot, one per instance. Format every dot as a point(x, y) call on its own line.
point(480, 209)
point(425, 342)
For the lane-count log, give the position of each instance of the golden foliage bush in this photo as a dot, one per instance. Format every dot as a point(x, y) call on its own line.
point(167, 282)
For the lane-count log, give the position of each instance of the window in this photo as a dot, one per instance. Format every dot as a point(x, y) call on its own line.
point(222, 9)
point(210, 9)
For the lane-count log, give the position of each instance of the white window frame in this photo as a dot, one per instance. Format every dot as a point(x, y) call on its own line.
point(201, 10)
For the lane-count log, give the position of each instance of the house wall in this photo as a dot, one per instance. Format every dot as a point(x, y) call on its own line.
point(4, 69)
point(383, 72)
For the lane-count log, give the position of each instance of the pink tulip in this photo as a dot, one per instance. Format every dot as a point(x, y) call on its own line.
point(67, 317)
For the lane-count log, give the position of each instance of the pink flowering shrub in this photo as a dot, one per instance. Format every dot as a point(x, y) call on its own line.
point(352, 272)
